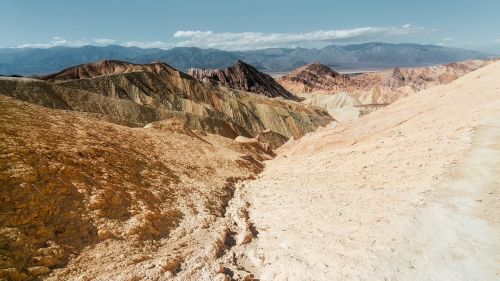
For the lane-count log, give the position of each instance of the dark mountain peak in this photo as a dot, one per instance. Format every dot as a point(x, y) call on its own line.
point(243, 66)
point(243, 76)
point(241, 62)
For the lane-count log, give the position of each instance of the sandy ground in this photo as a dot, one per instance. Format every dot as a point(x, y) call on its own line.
point(410, 192)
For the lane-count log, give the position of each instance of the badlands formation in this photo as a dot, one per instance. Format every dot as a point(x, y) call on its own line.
point(378, 87)
point(85, 199)
point(245, 77)
point(349, 96)
point(135, 95)
point(409, 192)
point(120, 171)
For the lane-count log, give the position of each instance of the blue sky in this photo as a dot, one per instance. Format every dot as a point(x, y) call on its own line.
point(252, 24)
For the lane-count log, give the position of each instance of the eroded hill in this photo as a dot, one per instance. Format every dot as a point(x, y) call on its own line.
point(140, 94)
point(378, 87)
point(245, 77)
point(80, 196)
point(349, 96)
point(409, 192)
point(315, 77)
point(117, 165)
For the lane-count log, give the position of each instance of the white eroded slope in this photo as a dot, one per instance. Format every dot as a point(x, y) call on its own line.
point(410, 192)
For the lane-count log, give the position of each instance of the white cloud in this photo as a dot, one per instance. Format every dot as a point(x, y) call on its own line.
point(445, 42)
point(190, 33)
point(497, 40)
point(56, 41)
point(60, 41)
point(257, 40)
point(32, 45)
point(471, 43)
point(104, 41)
point(147, 44)
point(249, 40)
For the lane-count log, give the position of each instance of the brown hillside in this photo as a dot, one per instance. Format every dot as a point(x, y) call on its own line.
point(245, 77)
point(74, 186)
point(315, 77)
point(141, 94)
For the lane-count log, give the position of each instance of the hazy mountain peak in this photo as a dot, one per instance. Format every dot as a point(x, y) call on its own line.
point(29, 61)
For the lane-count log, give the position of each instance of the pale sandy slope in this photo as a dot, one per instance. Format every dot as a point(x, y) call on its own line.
point(410, 192)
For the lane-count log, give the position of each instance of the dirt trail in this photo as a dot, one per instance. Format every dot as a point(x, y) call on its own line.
point(410, 192)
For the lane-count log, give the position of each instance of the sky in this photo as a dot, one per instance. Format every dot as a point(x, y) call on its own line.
point(249, 24)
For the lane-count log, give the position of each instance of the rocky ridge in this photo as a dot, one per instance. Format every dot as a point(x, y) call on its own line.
point(115, 164)
point(378, 87)
point(390, 85)
point(136, 95)
point(80, 195)
point(315, 77)
point(349, 96)
point(245, 77)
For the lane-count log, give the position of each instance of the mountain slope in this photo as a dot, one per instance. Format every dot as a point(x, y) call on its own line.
point(42, 61)
point(378, 87)
point(104, 67)
point(409, 192)
point(342, 106)
point(245, 77)
point(315, 77)
point(139, 94)
point(369, 55)
point(390, 85)
point(80, 196)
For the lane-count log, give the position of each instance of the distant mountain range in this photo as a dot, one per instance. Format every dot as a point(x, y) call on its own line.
point(30, 61)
